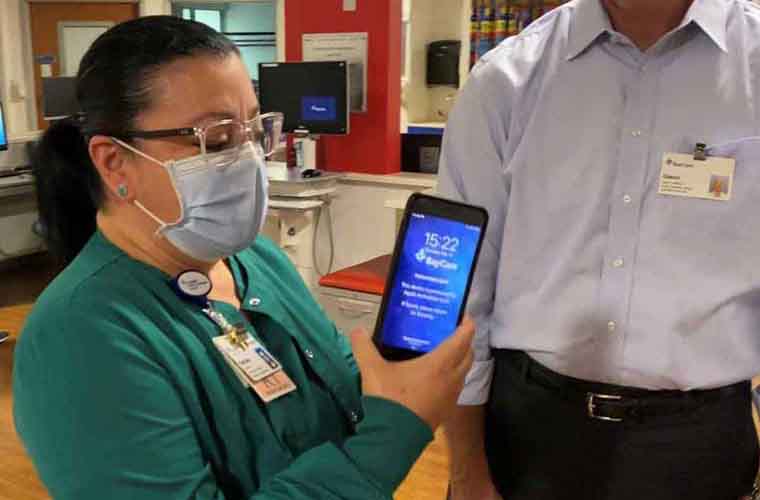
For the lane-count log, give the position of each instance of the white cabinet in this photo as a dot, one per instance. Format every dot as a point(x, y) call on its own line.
point(18, 216)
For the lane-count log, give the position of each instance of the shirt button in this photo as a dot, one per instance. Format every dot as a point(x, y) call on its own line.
point(617, 263)
point(254, 302)
point(636, 133)
point(611, 326)
point(627, 199)
point(309, 353)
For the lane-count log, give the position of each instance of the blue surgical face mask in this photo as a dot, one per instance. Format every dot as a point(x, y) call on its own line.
point(222, 208)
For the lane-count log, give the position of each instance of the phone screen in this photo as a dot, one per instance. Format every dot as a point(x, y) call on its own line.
point(430, 283)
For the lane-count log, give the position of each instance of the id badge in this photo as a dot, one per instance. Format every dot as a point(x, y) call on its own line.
point(248, 356)
point(709, 179)
point(256, 367)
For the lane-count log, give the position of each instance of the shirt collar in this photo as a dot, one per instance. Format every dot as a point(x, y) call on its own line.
point(712, 18)
point(590, 20)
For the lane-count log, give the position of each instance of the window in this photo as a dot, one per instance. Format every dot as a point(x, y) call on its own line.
point(209, 16)
point(250, 25)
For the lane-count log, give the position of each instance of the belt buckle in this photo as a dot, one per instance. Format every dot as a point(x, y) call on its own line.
point(591, 406)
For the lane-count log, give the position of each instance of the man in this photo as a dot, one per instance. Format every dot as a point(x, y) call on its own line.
point(617, 297)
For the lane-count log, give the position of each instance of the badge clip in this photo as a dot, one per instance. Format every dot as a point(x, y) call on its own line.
point(237, 336)
point(700, 151)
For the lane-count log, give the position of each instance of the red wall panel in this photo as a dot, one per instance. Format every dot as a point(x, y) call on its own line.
point(374, 144)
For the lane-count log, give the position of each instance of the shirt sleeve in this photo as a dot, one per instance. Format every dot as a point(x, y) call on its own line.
point(472, 170)
point(101, 418)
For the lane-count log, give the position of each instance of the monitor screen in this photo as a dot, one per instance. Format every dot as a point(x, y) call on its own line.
point(312, 95)
point(59, 97)
point(3, 130)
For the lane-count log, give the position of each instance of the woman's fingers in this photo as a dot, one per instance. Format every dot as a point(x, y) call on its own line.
point(365, 352)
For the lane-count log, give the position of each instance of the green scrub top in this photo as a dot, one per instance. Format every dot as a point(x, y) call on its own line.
point(119, 392)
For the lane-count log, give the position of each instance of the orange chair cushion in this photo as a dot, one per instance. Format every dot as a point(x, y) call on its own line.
point(367, 277)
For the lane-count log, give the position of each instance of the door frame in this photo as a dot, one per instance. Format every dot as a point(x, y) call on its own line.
point(62, 25)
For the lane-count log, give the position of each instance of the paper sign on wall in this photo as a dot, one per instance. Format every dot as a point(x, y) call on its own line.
point(349, 47)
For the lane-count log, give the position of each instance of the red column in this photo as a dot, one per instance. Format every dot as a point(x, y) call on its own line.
point(374, 144)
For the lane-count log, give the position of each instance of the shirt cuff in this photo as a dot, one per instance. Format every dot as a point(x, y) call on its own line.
point(388, 442)
point(477, 384)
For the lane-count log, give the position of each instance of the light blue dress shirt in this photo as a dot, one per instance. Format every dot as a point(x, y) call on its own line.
point(560, 133)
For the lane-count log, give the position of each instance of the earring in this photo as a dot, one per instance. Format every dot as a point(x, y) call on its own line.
point(122, 190)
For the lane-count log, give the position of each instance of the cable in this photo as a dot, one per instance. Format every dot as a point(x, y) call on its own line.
point(317, 218)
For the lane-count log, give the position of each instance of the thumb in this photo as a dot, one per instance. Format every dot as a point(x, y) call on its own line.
point(457, 346)
point(364, 349)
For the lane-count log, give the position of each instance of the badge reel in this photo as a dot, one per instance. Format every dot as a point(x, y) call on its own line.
point(253, 364)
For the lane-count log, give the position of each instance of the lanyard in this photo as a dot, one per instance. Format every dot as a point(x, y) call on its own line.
point(195, 286)
point(252, 363)
point(235, 334)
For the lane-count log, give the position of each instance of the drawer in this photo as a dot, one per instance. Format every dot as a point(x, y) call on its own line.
point(350, 313)
point(17, 236)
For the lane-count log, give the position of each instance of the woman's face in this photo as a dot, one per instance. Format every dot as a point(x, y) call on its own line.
point(190, 92)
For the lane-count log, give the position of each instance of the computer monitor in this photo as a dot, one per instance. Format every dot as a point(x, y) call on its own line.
point(59, 97)
point(312, 95)
point(3, 131)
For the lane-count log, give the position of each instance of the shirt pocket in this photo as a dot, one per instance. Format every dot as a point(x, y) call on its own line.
point(718, 239)
point(746, 186)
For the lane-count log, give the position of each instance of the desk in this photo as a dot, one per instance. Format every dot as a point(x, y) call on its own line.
point(296, 205)
point(16, 185)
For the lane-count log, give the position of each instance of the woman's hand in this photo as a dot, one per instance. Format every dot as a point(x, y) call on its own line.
point(429, 385)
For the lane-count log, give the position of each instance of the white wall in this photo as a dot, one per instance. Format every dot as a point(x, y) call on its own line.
point(16, 83)
point(363, 227)
point(432, 20)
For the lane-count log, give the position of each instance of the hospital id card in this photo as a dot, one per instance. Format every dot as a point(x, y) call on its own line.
point(272, 387)
point(248, 356)
point(255, 366)
point(709, 179)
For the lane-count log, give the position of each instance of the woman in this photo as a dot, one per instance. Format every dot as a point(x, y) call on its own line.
point(129, 381)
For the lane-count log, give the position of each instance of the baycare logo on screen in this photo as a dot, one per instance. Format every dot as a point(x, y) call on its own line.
point(434, 263)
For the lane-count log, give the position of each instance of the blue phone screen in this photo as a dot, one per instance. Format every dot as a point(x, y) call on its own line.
point(430, 282)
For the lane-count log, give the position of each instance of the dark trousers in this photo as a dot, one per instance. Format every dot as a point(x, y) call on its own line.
point(542, 444)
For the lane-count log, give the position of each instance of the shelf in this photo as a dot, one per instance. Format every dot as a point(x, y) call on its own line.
point(426, 128)
point(412, 180)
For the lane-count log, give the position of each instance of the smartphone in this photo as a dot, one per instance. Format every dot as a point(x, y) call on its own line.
point(431, 272)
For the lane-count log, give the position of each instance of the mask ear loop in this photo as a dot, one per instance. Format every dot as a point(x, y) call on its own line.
point(161, 224)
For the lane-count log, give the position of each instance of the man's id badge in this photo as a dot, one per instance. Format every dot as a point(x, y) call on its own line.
point(709, 179)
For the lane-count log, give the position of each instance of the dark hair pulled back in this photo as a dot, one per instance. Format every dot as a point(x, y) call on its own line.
point(113, 88)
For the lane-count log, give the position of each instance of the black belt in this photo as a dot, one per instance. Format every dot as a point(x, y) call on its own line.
point(615, 403)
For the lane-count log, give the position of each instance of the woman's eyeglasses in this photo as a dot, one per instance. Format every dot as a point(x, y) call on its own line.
point(225, 135)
